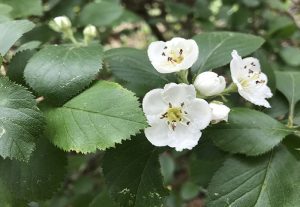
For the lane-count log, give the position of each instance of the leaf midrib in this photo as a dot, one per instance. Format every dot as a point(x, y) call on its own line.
point(98, 113)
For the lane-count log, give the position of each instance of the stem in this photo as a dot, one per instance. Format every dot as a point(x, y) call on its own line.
point(230, 89)
point(290, 123)
point(183, 76)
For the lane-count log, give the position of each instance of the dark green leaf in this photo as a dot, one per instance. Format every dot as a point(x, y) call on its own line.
point(133, 66)
point(17, 65)
point(11, 31)
point(100, 14)
point(291, 55)
point(207, 161)
point(20, 122)
point(132, 173)
point(248, 132)
point(37, 179)
point(60, 72)
point(271, 180)
point(98, 118)
point(215, 48)
point(104, 200)
point(24, 8)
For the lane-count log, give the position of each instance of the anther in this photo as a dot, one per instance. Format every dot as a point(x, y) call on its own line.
point(170, 105)
point(163, 54)
point(188, 123)
point(182, 104)
point(180, 52)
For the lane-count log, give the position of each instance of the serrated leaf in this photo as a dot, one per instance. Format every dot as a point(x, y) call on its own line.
point(271, 180)
point(20, 122)
point(24, 8)
point(60, 72)
point(17, 65)
point(101, 13)
point(289, 84)
point(98, 118)
point(133, 66)
point(11, 31)
point(132, 173)
point(248, 132)
point(39, 178)
point(215, 48)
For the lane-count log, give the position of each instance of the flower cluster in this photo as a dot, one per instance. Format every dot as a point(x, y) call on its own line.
point(178, 112)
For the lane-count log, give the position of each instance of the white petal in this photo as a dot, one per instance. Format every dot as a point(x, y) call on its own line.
point(199, 113)
point(183, 137)
point(178, 93)
point(157, 134)
point(236, 67)
point(219, 112)
point(190, 53)
point(251, 63)
point(153, 104)
point(209, 83)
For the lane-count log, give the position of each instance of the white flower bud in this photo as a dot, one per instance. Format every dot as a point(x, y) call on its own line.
point(219, 112)
point(90, 31)
point(60, 23)
point(209, 83)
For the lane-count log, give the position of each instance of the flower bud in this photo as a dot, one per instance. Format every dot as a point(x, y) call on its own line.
point(90, 31)
point(209, 83)
point(219, 112)
point(60, 24)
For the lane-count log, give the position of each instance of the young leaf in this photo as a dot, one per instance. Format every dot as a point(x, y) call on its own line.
point(215, 48)
point(132, 172)
point(98, 118)
point(133, 66)
point(24, 8)
point(20, 122)
point(37, 179)
point(248, 132)
point(271, 180)
point(291, 55)
point(101, 13)
point(11, 31)
point(60, 72)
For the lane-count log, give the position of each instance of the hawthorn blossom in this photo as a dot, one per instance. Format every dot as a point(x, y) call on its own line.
point(251, 82)
point(209, 83)
point(175, 116)
point(174, 55)
point(60, 23)
point(90, 31)
point(219, 112)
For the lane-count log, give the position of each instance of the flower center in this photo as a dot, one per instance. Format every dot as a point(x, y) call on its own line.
point(174, 56)
point(252, 76)
point(175, 115)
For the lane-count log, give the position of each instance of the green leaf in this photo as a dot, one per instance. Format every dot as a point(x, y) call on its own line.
point(40, 177)
point(24, 8)
point(280, 106)
point(60, 72)
point(207, 160)
point(103, 199)
point(20, 122)
point(17, 65)
point(98, 118)
point(215, 48)
point(11, 31)
point(100, 14)
point(132, 173)
point(133, 66)
point(248, 132)
point(291, 55)
point(271, 180)
point(289, 84)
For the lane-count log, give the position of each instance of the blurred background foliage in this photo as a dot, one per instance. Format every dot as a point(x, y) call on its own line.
point(135, 23)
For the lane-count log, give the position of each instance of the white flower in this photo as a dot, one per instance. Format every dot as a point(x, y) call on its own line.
point(174, 55)
point(219, 112)
point(175, 116)
point(251, 82)
point(209, 83)
point(60, 23)
point(90, 31)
